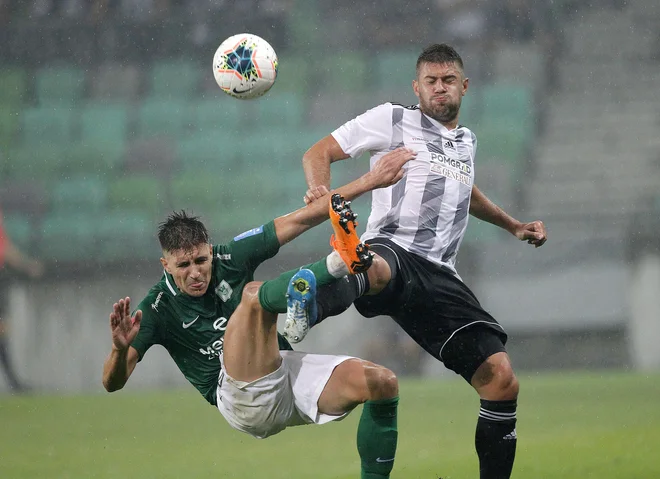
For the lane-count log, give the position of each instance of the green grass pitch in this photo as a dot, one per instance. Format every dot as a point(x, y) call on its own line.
point(570, 425)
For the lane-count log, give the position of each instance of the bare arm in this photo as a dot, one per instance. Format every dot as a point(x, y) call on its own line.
point(386, 172)
point(484, 209)
point(121, 361)
point(317, 160)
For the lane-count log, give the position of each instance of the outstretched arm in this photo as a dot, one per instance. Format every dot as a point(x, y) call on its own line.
point(121, 361)
point(386, 172)
point(316, 164)
point(484, 209)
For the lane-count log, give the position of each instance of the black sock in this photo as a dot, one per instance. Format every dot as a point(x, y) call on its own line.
point(335, 298)
point(495, 438)
point(14, 383)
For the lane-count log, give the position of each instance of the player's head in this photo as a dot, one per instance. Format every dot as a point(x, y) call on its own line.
point(440, 82)
point(187, 253)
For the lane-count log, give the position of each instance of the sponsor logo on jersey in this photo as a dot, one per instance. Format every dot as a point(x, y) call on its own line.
point(247, 234)
point(224, 291)
point(451, 168)
point(226, 256)
point(154, 305)
point(449, 144)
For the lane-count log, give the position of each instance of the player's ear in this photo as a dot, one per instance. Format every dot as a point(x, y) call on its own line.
point(415, 86)
point(163, 261)
point(466, 81)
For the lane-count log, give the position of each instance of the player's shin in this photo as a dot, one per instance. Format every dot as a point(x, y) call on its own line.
point(377, 438)
point(496, 438)
point(272, 294)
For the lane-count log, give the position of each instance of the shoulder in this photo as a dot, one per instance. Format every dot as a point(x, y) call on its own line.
point(156, 302)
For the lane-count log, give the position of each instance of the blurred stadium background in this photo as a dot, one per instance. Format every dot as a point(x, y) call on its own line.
point(110, 118)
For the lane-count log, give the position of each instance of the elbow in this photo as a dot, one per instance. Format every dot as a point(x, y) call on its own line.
point(110, 387)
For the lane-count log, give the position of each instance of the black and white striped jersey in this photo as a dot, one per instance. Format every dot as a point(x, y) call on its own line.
point(426, 213)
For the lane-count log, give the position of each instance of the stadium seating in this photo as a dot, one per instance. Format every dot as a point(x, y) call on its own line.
point(59, 85)
point(282, 110)
point(19, 228)
point(138, 193)
point(82, 195)
point(345, 72)
point(101, 123)
point(509, 102)
point(47, 125)
point(395, 70)
point(153, 156)
point(211, 114)
point(8, 126)
point(68, 237)
point(293, 74)
point(33, 162)
point(14, 83)
point(173, 79)
point(86, 158)
point(116, 83)
point(162, 117)
point(126, 235)
point(213, 153)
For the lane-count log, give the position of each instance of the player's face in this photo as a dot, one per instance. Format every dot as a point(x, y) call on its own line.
point(440, 88)
point(190, 269)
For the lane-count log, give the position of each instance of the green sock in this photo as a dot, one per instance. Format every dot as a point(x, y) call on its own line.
point(272, 294)
point(376, 438)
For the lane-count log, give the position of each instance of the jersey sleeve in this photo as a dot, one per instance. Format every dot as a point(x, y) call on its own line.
point(253, 247)
point(148, 334)
point(370, 131)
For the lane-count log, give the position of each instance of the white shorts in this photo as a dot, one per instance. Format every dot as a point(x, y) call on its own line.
point(286, 397)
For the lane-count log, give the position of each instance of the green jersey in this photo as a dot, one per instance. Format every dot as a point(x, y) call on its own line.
point(192, 329)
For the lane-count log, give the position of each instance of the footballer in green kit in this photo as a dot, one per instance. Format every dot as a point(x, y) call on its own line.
point(220, 326)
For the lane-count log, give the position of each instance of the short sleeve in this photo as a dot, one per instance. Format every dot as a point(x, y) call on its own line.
point(253, 247)
point(370, 131)
point(148, 334)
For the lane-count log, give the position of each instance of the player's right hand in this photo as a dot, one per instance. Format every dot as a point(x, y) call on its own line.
point(388, 170)
point(123, 327)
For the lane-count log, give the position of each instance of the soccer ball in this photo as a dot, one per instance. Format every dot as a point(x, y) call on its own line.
point(245, 66)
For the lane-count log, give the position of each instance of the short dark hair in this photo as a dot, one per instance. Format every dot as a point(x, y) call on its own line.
point(182, 232)
point(439, 53)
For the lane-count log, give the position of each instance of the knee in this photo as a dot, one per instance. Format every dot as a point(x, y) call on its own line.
point(379, 274)
point(495, 379)
point(381, 383)
point(250, 296)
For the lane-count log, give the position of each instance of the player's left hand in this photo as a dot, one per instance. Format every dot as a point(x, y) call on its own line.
point(314, 194)
point(534, 233)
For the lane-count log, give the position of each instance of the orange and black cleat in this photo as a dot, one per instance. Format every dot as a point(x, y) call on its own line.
point(346, 241)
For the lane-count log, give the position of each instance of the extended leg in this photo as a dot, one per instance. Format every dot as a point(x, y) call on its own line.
point(250, 346)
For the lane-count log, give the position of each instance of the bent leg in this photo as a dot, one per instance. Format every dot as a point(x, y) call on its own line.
point(251, 349)
point(354, 382)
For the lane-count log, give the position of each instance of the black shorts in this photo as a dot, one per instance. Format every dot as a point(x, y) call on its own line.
point(436, 309)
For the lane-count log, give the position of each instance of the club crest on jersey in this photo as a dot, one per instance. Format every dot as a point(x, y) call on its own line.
point(224, 291)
